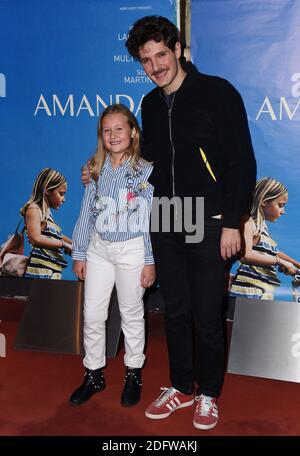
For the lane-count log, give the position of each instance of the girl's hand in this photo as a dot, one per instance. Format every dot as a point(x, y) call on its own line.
point(148, 276)
point(79, 269)
point(287, 267)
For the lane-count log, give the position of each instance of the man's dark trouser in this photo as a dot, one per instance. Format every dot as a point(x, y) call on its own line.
point(191, 280)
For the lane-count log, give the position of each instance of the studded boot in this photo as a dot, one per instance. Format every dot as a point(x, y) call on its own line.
point(93, 382)
point(132, 387)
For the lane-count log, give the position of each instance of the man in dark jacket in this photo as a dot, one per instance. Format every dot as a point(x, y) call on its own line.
point(195, 130)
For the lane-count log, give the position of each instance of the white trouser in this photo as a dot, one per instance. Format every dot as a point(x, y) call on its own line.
point(110, 263)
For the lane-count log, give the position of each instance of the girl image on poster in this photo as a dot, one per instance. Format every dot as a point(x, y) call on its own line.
point(257, 275)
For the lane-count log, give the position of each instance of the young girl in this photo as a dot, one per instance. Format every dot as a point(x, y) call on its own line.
point(112, 246)
point(46, 260)
point(257, 274)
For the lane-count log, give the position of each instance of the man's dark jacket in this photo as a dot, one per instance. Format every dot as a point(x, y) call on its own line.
point(201, 145)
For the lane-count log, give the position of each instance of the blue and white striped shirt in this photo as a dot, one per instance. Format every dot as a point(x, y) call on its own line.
point(117, 207)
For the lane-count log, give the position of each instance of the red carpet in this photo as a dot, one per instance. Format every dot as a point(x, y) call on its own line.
point(34, 391)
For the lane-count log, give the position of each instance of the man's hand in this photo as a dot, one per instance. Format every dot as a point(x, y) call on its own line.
point(230, 242)
point(148, 276)
point(86, 173)
point(79, 269)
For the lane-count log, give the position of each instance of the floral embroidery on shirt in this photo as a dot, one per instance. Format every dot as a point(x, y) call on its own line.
point(131, 198)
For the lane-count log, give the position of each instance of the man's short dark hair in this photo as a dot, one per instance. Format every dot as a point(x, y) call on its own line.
point(156, 28)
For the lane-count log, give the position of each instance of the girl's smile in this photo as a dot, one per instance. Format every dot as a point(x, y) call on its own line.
point(117, 134)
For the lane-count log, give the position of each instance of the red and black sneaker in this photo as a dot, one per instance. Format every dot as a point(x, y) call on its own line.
point(206, 414)
point(170, 400)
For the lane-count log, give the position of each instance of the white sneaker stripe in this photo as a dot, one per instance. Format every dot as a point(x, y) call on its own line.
point(173, 404)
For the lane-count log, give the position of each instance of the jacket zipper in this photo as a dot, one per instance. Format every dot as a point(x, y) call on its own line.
point(173, 151)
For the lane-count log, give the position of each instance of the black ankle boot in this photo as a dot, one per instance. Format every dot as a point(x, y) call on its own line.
point(93, 383)
point(132, 388)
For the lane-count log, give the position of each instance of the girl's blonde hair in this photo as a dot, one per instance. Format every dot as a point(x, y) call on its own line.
point(48, 180)
point(266, 189)
point(133, 152)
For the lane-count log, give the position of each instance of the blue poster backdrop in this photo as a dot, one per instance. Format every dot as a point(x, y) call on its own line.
point(255, 45)
point(61, 63)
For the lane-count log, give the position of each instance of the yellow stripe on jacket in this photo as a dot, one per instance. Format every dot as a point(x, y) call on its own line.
point(207, 164)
